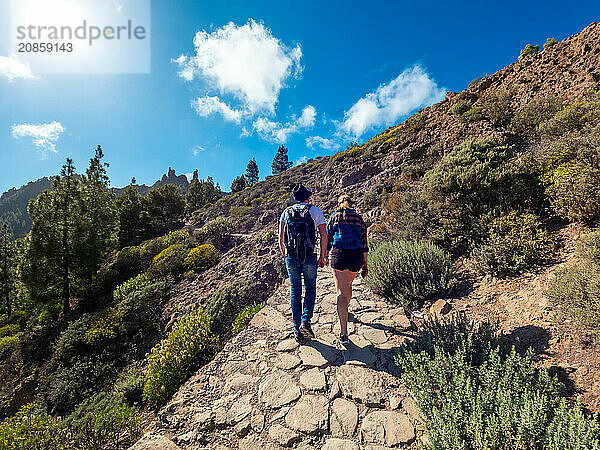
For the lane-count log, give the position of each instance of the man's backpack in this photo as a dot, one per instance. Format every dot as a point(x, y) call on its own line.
point(299, 236)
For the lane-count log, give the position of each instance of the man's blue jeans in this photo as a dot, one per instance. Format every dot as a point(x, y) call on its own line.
point(296, 270)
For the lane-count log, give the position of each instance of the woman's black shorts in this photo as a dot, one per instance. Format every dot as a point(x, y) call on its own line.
point(341, 259)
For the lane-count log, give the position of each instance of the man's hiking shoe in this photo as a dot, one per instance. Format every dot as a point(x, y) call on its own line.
point(344, 339)
point(299, 338)
point(306, 330)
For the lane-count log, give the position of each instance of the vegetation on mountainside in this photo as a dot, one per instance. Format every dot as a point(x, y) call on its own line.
point(186, 347)
point(575, 290)
point(409, 272)
point(242, 320)
point(475, 392)
point(226, 301)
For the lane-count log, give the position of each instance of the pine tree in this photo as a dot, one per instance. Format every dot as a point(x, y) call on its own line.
point(47, 264)
point(281, 162)
point(98, 224)
point(193, 198)
point(7, 253)
point(129, 206)
point(238, 184)
point(251, 172)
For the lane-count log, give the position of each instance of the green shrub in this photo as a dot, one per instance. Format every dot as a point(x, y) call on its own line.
point(141, 307)
point(540, 109)
point(173, 360)
point(201, 258)
point(216, 232)
point(475, 393)
point(71, 341)
point(460, 107)
point(588, 249)
point(242, 320)
point(170, 261)
point(408, 272)
point(530, 50)
point(468, 183)
point(550, 42)
point(33, 430)
point(7, 345)
point(475, 114)
point(575, 116)
point(575, 290)
point(497, 106)
point(102, 422)
point(78, 379)
point(569, 168)
point(129, 387)
point(10, 329)
point(103, 327)
point(267, 237)
point(516, 241)
point(227, 301)
point(120, 266)
point(132, 285)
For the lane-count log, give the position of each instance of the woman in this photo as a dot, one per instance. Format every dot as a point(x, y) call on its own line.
point(347, 240)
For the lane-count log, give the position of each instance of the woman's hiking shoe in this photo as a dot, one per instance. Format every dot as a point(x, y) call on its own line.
point(344, 339)
point(306, 330)
point(300, 339)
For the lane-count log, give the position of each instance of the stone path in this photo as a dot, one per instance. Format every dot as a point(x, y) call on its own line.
point(263, 391)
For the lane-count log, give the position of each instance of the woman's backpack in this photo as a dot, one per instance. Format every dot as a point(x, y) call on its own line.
point(299, 235)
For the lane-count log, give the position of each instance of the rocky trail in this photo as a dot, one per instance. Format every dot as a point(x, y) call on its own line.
point(263, 391)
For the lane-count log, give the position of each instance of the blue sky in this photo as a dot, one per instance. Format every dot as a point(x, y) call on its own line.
point(311, 75)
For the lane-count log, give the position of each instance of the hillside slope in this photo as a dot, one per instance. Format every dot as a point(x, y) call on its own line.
point(569, 69)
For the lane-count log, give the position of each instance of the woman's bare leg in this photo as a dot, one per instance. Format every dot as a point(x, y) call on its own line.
point(343, 285)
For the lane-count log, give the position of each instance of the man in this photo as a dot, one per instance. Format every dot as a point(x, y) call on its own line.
point(298, 228)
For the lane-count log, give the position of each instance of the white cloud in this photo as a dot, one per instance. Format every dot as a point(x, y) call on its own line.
point(246, 62)
point(280, 132)
point(44, 135)
point(301, 160)
point(324, 143)
point(205, 106)
point(12, 68)
point(410, 90)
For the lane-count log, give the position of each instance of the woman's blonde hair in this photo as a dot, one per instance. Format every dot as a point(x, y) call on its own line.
point(345, 201)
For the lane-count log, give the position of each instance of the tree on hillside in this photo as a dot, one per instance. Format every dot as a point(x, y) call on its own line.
point(163, 207)
point(129, 206)
point(47, 265)
point(238, 184)
point(281, 162)
point(251, 172)
point(193, 198)
point(7, 253)
point(99, 223)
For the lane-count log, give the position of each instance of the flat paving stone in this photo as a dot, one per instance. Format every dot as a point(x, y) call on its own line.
point(362, 384)
point(317, 354)
point(287, 345)
point(285, 361)
point(344, 418)
point(313, 379)
point(310, 415)
point(278, 389)
point(389, 428)
point(339, 444)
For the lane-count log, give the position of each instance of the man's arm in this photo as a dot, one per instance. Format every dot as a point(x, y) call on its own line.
point(281, 231)
point(324, 254)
